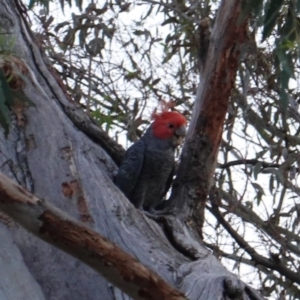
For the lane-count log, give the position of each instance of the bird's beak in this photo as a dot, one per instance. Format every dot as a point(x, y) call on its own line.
point(181, 131)
point(180, 134)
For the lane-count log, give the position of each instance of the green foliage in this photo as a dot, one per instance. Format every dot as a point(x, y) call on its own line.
point(251, 7)
point(46, 4)
point(43, 3)
point(257, 169)
point(279, 20)
point(104, 120)
point(272, 12)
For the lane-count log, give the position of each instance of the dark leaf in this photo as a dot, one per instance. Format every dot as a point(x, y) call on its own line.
point(248, 7)
point(260, 154)
point(156, 81)
point(69, 38)
point(79, 4)
point(289, 27)
point(139, 32)
point(271, 14)
point(169, 21)
point(148, 13)
point(286, 61)
point(131, 75)
point(62, 4)
point(125, 7)
point(283, 99)
point(60, 25)
point(259, 190)
point(298, 6)
point(101, 11)
point(257, 169)
point(31, 4)
point(167, 57)
point(271, 184)
point(82, 36)
point(109, 31)
point(48, 22)
point(95, 46)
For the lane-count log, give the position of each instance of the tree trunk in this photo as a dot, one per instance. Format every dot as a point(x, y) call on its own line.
point(56, 152)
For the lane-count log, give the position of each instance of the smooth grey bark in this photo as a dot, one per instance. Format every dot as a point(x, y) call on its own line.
point(16, 282)
point(53, 159)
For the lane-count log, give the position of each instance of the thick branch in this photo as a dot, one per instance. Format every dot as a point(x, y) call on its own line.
point(60, 230)
point(200, 152)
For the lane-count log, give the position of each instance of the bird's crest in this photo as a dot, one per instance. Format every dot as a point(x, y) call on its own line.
point(166, 114)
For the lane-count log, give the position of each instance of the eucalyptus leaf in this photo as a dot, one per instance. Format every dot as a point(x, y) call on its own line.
point(257, 169)
point(248, 7)
point(272, 11)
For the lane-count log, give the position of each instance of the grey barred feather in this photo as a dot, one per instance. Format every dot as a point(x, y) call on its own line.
point(130, 169)
point(147, 171)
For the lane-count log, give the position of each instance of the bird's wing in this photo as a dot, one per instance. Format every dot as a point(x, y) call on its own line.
point(162, 204)
point(130, 168)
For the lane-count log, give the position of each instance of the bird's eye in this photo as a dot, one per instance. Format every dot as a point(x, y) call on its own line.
point(171, 126)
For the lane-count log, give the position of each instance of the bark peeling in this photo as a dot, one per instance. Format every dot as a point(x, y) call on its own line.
point(200, 152)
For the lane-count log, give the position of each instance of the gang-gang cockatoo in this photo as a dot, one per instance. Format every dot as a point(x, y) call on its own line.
point(147, 170)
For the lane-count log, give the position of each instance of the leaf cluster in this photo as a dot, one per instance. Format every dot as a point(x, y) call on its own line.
point(279, 20)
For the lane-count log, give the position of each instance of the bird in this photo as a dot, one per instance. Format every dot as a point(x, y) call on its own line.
point(147, 170)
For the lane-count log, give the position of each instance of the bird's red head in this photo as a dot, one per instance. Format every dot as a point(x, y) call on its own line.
point(169, 124)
